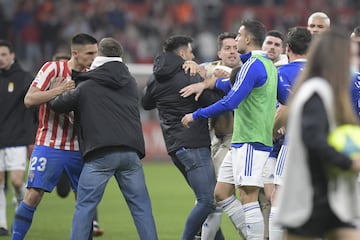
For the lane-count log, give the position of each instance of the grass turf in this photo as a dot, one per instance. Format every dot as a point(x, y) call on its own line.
point(172, 201)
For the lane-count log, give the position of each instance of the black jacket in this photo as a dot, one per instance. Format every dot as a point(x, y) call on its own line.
point(17, 123)
point(162, 92)
point(106, 109)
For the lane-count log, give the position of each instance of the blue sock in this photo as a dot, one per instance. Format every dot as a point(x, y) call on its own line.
point(22, 221)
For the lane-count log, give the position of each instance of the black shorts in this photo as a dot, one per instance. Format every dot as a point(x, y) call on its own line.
point(321, 221)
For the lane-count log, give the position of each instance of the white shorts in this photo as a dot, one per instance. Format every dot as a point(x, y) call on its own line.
point(243, 166)
point(13, 158)
point(280, 166)
point(268, 171)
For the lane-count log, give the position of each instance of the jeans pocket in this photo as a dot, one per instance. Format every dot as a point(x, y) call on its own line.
point(186, 157)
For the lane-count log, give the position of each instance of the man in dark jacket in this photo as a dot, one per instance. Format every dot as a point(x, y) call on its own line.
point(17, 126)
point(107, 118)
point(189, 148)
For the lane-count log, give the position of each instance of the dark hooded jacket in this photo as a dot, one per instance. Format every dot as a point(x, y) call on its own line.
point(17, 123)
point(105, 103)
point(162, 92)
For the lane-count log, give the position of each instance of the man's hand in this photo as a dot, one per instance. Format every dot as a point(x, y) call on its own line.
point(220, 73)
point(191, 67)
point(62, 84)
point(187, 119)
point(196, 88)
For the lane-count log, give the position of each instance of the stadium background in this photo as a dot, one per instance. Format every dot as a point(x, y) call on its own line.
point(39, 28)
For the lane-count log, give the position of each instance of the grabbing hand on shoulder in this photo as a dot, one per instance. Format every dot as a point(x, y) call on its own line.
point(196, 88)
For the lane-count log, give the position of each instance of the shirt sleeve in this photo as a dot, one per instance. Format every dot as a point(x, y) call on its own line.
point(223, 84)
point(252, 74)
point(45, 75)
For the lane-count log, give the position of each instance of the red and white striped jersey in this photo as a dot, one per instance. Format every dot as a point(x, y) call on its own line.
point(56, 130)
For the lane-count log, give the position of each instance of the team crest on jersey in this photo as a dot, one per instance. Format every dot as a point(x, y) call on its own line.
point(11, 87)
point(38, 76)
point(31, 176)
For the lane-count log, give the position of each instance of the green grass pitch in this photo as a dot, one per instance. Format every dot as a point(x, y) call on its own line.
point(171, 198)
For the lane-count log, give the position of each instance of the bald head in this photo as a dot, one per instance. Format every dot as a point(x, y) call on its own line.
point(109, 47)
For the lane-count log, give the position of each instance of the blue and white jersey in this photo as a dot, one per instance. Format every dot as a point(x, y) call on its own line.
point(251, 75)
point(355, 93)
point(287, 76)
point(223, 84)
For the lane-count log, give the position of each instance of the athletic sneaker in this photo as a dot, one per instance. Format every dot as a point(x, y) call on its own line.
point(97, 231)
point(4, 232)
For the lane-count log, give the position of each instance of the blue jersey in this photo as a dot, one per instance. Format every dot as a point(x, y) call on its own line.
point(355, 93)
point(287, 75)
point(223, 84)
point(251, 75)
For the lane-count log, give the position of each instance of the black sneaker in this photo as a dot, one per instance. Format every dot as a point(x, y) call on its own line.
point(4, 232)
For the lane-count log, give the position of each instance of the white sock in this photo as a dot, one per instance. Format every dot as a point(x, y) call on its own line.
point(275, 230)
point(3, 222)
point(211, 225)
point(254, 221)
point(234, 209)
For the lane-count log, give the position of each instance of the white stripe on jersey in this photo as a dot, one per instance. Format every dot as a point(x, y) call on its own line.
point(55, 130)
point(242, 73)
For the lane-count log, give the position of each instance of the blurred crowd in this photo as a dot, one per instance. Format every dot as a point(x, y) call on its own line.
point(39, 28)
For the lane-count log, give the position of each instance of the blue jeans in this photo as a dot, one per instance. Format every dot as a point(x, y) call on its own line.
point(127, 169)
point(197, 168)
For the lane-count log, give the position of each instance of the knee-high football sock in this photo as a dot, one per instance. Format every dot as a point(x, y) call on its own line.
point(254, 221)
point(234, 209)
point(275, 230)
point(211, 225)
point(22, 221)
point(3, 222)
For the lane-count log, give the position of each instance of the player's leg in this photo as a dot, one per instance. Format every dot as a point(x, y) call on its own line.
point(249, 172)
point(224, 194)
point(16, 166)
point(3, 222)
point(213, 221)
point(63, 186)
point(44, 172)
point(97, 231)
point(275, 230)
point(265, 193)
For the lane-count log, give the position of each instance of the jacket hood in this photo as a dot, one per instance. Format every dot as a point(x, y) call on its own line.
point(167, 65)
point(111, 74)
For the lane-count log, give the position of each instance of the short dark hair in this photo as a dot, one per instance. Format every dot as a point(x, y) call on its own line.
point(255, 28)
point(223, 36)
point(83, 39)
point(5, 43)
point(299, 39)
point(173, 43)
point(276, 33)
point(109, 47)
point(357, 31)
